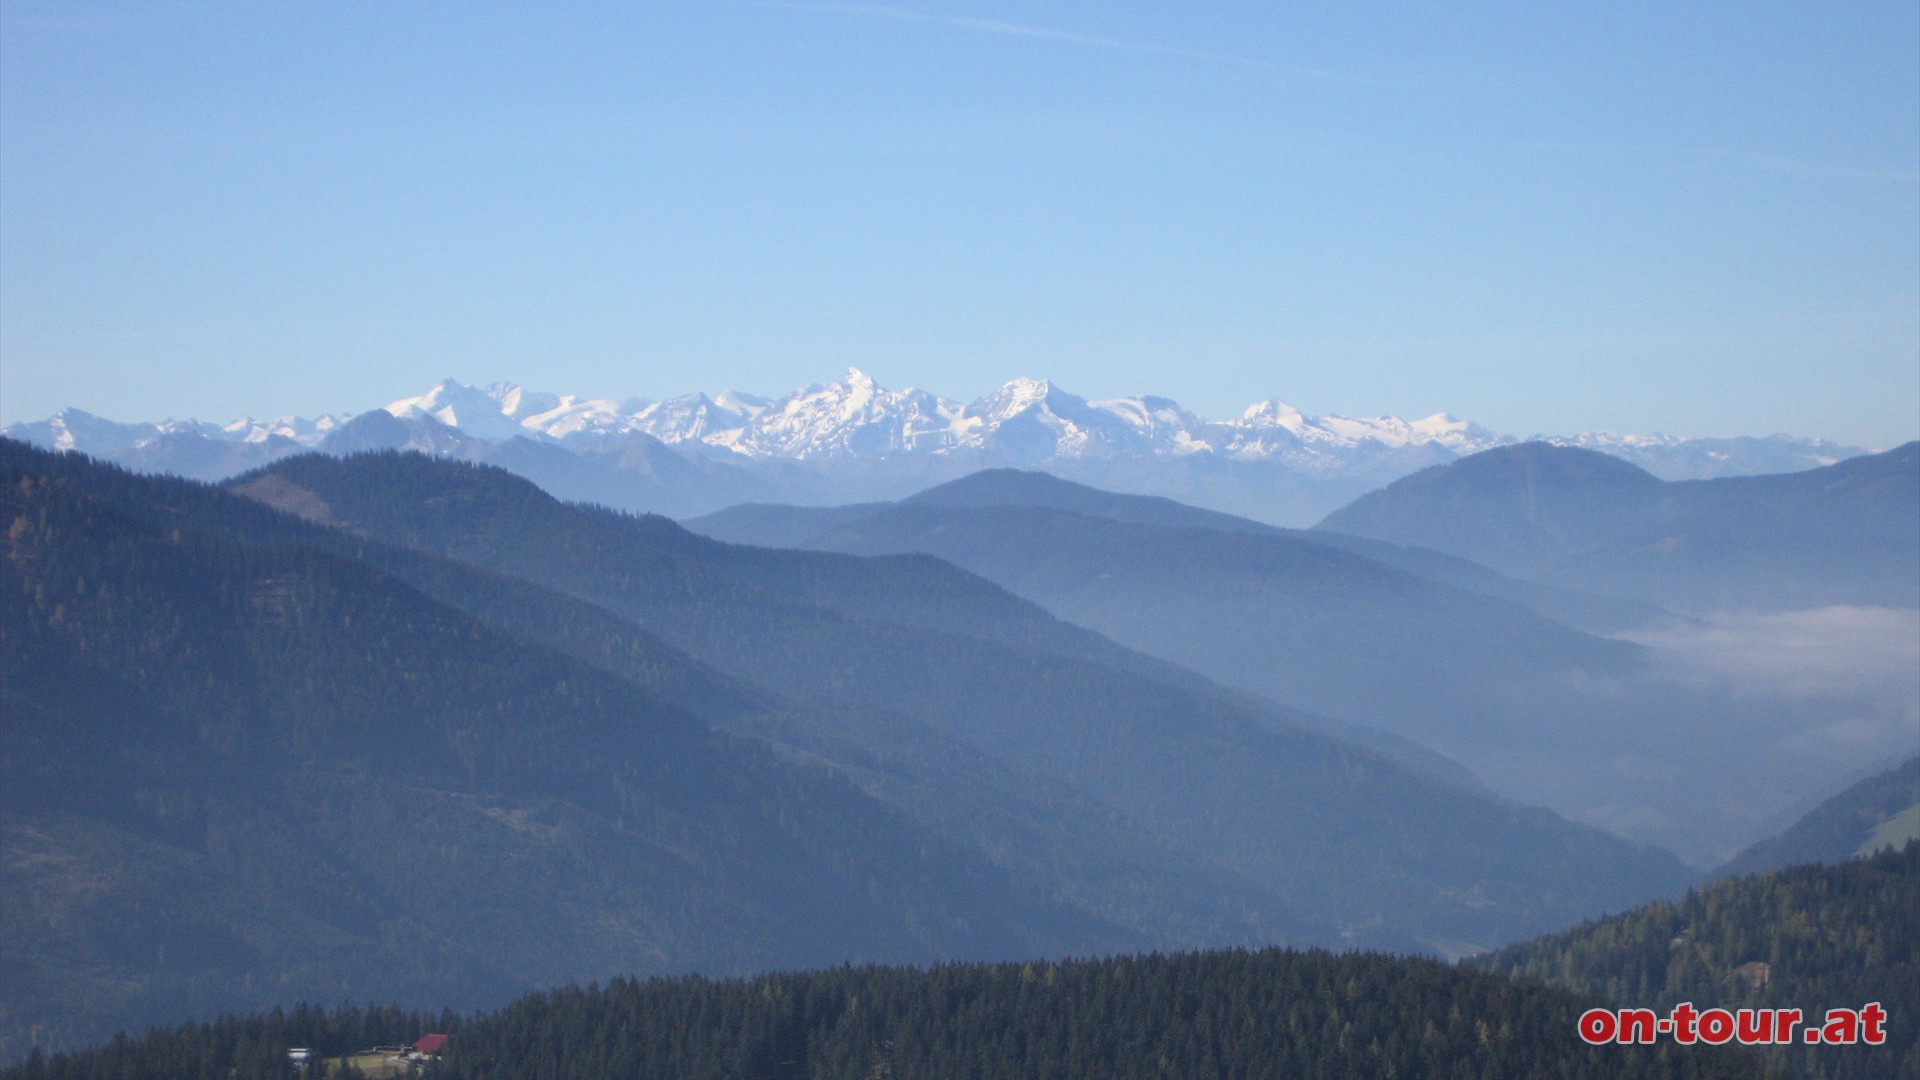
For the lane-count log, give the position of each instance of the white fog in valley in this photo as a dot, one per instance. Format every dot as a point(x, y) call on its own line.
point(1854, 672)
point(1745, 721)
point(1871, 652)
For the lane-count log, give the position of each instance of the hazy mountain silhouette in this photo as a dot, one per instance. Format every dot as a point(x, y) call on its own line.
point(1277, 612)
point(1844, 534)
point(780, 525)
point(1063, 843)
point(1211, 773)
point(242, 773)
point(1429, 645)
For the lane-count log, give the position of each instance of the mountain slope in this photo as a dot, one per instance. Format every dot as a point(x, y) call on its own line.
point(1844, 534)
point(1344, 834)
point(1052, 840)
point(244, 773)
point(1006, 487)
point(1671, 738)
point(776, 525)
point(1602, 730)
point(1324, 629)
point(1880, 811)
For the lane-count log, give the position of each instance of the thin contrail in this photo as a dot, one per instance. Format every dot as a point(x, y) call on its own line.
point(1012, 29)
point(1753, 158)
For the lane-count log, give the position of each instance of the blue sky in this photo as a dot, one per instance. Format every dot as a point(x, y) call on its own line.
point(1700, 219)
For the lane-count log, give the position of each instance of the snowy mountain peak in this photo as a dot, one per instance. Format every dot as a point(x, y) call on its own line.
point(519, 403)
point(443, 398)
point(1023, 392)
point(305, 432)
point(1151, 416)
point(1440, 424)
point(1026, 422)
point(1011, 399)
point(744, 404)
point(480, 413)
point(688, 417)
point(854, 417)
point(1270, 413)
point(77, 429)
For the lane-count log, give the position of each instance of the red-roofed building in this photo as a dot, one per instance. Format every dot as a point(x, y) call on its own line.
point(430, 1045)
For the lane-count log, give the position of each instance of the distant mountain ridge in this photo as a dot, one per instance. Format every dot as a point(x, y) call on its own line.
point(440, 737)
point(1847, 533)
point(854, 440)
point(1427, 645)
point(1204, 770)
point(242, 769)
point(1271, 611)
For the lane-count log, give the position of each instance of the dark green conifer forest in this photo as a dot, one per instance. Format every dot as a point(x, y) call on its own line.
point(1808, 937)
point(1223, 1015)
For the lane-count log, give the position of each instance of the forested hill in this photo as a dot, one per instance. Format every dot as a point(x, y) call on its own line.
point(242, 773)
point(1808, 937)
point(1847, 533)
point(1881, 811)
point(1343, 835)
point(1226, 1015)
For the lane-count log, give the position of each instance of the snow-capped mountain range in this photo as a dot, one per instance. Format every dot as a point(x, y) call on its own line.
point(1030, 419)
point(853, 440)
